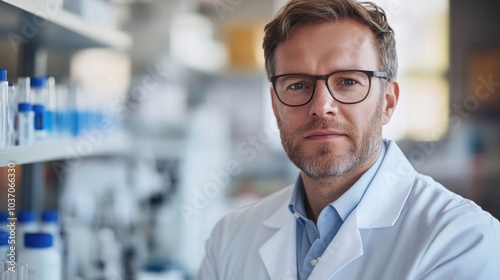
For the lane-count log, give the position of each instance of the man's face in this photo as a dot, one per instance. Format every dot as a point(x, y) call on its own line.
point(324, 137)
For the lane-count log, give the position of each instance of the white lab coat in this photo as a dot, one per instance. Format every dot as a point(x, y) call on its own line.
point(406, 226)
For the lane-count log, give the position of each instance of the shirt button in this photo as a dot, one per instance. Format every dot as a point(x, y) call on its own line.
point(314, 262)
point(296, 215)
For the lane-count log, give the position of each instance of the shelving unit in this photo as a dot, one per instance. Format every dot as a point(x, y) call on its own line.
point(39, 24)
point(30, 28)
point(116, 145)
point(55, 27)
point(66, 150)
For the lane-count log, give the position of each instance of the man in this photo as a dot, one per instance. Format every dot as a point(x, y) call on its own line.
point(358, 210)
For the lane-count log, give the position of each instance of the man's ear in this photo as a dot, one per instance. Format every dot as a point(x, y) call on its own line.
point(391, 100)
point(273, 100)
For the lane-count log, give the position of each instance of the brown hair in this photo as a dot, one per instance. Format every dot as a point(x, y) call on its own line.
point(302, 12)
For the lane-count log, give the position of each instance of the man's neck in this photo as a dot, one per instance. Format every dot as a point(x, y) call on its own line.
point(321, 192)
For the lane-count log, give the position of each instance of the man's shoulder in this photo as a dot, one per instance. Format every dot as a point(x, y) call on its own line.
point(437, 201)
point(262, 209)
point(451, 231)
point(249, 217)
point(427, 198)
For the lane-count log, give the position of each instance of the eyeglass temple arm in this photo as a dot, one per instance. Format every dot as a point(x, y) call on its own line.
point(380, 74)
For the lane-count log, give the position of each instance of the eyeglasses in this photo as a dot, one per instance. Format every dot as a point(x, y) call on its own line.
point(346, 86)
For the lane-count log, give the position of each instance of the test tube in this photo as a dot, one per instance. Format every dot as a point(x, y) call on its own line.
point(62, 112)
point(19, 273)
point(26, 116)
point(11, 116)
point(4, 91)
point(22, 272)
point(50, 110)
point(3, 265)
point(4, 272)
point(39, 97)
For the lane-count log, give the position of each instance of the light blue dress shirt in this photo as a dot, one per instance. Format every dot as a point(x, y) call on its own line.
point(312, 240)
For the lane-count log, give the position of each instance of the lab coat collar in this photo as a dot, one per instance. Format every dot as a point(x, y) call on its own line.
point(279, 253)
point(387, 193)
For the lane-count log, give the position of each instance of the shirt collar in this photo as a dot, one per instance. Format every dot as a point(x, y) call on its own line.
point(346, 203)
point(296, 205)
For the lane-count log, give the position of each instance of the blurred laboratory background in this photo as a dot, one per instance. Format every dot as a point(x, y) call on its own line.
point(157, 120)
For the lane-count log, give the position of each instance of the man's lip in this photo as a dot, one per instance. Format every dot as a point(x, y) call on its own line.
point(323, 133)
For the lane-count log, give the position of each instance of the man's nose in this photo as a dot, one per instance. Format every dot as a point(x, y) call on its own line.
point(322, 103)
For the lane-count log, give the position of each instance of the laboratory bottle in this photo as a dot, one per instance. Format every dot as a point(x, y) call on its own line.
point(44, 262)
point(26, 223)
point(50, 110)
point(62, 125)
point(50, 224)
point(4, 245)
point(25, 114)
point(11, 116)
point(4, 91)
point(39, 96)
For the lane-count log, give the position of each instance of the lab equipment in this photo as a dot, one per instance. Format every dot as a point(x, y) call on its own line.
point(4, 245)
point(50, 224)
point(11, 116)
point(40, 96)
point(25, 224)
point(26, 121)
point(44, 261)
point(4, 90)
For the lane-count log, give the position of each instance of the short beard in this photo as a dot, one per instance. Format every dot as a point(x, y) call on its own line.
point(323, 163)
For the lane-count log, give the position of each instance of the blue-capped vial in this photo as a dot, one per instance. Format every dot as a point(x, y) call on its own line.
point(39, 97)
point(50, 109)
point(43, 260)
point(26, 116)
point(26, 223)
point(11, 115)
point(50, 224)
point(4, 245)
point(4, 90)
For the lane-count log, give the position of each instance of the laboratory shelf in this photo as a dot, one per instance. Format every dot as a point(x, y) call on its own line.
point(39, 22)
point(93, 145)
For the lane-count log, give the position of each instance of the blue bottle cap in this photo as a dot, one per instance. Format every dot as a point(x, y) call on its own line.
point(38, 240)
point(37, 108)
point(51, 216)
point(3, 217)
point(24, 107)
point(38, 82)
point(25, 216)
point(4, 238)
point(3, 75)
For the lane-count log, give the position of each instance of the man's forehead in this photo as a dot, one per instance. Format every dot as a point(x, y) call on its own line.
point(348, 43)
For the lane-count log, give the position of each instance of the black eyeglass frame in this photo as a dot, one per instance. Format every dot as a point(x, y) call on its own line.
point(314, 79)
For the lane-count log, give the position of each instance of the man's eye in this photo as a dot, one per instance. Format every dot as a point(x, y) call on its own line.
point(348, 82)
point(297, 86)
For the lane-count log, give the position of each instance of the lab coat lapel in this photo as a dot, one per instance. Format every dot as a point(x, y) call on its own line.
point(380, 207)
point(345, 247)
point(278, 253)
point(384, 200)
